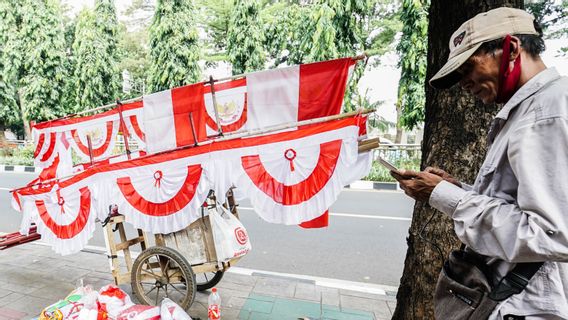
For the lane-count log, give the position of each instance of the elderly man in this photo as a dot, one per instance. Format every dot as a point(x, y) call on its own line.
point(517, 209)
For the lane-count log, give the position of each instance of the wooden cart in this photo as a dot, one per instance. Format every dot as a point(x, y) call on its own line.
point(179, 264)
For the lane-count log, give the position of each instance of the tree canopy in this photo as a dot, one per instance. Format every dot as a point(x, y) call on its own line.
point(174, 46)
point(96, 56)
point(245, 37)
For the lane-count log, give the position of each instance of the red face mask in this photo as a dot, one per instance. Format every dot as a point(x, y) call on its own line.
point(508, 78)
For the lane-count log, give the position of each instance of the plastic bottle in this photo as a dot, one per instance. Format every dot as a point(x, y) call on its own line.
point(214, 309)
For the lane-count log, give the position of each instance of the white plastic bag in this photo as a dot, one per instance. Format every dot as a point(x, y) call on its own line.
point(230, 236)
point(172, 311)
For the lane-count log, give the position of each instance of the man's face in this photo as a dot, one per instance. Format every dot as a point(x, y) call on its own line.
point(480, 76)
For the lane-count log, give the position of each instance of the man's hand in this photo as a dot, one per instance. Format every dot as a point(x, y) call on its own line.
point(446, 176)
point(418, 185)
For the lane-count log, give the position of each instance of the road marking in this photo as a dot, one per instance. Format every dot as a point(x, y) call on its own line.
point(351, 215)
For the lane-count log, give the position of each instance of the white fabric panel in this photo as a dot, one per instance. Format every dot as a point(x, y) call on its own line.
point(273, 97)
point(159, 122)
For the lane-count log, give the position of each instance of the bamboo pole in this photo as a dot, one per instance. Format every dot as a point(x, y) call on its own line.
point(217, 120)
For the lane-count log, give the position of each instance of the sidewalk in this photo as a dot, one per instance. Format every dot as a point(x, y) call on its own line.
point(33, 277)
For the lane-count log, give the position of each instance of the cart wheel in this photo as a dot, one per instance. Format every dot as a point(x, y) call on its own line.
point(160, 272)
point(208, 280)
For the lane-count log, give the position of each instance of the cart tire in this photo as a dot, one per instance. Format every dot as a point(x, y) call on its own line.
point(208, 280)
point(148, 277)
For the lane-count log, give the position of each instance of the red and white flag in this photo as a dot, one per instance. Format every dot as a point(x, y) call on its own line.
point(166, 117)
point(258, 100)
point(272, 97)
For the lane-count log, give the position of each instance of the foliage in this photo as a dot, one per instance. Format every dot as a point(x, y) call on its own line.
point(96, 56)
point(245, 37)
point(552, 16)
point(215, 20)
point(174, 46)
point(42, 72)
point(133, 58)
point(380, 173)
point(10, 114)
point(412, 49)
point(133, 45)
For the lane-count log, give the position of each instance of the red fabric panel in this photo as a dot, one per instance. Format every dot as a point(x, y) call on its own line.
point(319, 222)
point(97, 152)
point(173, 205)
point(186, 100)
point(68, 231)
point(302, 191)
point(50, 149)
point(322, 87)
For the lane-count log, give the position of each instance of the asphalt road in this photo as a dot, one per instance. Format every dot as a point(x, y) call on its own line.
point(365, 241)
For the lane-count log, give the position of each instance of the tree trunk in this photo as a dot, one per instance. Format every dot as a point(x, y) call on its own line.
point(398, 137)
point(2, 136)
point(454, 140)
point(27, 129)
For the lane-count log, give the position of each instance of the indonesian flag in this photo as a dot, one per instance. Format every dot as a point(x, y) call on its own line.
point(167, 118)
point(278, 96)
point(258, 100)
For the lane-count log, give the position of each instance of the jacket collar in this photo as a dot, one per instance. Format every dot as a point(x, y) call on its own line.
point(529, 88)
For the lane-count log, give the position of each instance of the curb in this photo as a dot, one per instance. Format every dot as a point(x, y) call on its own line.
point(357, 185)
point(373, 185)
point(19, 169)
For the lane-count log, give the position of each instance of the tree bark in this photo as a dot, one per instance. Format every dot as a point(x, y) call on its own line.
point(454, 140)
point(27, 129)
point(2, 136)
point(398, 138)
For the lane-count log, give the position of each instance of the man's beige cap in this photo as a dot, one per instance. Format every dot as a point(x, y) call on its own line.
point(484, 27)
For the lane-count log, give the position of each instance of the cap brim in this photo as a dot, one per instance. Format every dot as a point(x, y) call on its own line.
point(447, 75)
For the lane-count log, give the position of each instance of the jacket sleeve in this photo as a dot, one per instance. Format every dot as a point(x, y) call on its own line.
point(535, 228)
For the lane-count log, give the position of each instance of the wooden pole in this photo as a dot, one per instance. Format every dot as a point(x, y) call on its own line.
point(217, 120)
point(90, 145)
point(123, 129)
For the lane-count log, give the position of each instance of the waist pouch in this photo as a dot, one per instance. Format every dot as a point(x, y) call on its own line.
point(464, 289)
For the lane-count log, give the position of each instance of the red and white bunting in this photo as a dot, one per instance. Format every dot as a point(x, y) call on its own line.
point(290, 177)
point(103, 139)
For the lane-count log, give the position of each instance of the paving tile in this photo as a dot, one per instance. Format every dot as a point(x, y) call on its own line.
point(259, 316)
point(238, 279)
point(329, 296)
point(350, 302)
point(236, 302)
point(306, 291)
point(54, 292)
point(253, 305)
point(337, 315)
point(31, 305)
point(294, 309)
point(362, 294)
point(10, 314)
point(14, 296)
point(275, 287)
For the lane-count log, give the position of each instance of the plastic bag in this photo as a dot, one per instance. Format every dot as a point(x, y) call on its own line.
point(67, 308)
point(113, 300)
point(139, 312)
point(230, 236)
point(172, 311)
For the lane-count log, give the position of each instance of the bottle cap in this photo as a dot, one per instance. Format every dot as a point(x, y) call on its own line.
point(214, 289)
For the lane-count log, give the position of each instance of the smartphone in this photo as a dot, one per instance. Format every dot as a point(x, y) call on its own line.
point(388, 165)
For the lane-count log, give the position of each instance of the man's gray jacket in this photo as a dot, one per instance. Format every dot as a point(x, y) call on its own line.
point(517, 209)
